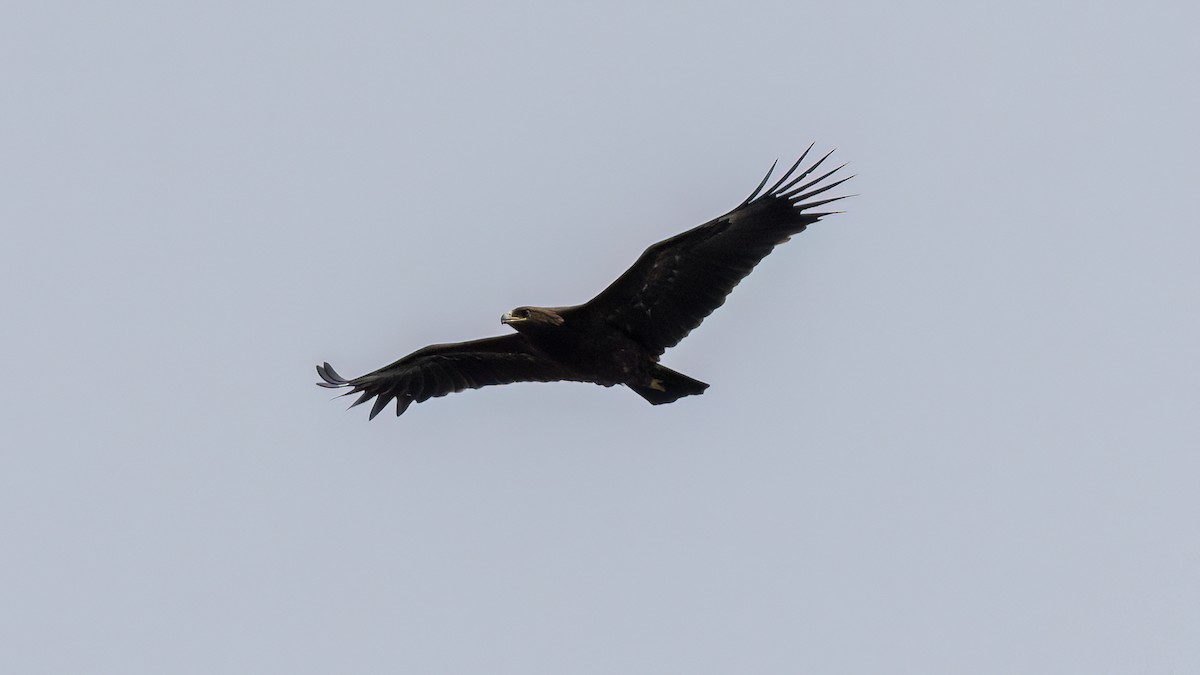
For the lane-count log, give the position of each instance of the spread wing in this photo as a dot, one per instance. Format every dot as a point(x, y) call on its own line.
point(438, 370)
point(677, 282)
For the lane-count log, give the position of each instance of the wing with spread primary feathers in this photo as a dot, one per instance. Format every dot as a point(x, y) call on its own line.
point(678, 282)
point(438, 370)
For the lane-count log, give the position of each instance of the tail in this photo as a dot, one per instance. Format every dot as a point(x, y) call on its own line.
point(667, 386)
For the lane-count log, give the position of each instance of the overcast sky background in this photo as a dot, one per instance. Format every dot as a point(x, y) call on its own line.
point(954, 430)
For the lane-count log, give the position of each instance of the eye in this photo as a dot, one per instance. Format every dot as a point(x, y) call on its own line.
point(521, 313)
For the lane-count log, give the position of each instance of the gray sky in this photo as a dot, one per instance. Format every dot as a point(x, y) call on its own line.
point(951, 431)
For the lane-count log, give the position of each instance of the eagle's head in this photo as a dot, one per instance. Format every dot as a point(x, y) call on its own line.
point(532, 317)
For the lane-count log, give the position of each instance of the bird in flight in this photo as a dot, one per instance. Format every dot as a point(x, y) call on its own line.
point(618, 336)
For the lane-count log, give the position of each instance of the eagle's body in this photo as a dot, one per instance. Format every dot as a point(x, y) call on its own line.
point(618, 336)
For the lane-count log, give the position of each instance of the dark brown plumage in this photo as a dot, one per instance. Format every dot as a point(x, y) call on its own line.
point(618, 336)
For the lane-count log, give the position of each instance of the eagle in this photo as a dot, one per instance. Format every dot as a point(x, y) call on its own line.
point(618, 336)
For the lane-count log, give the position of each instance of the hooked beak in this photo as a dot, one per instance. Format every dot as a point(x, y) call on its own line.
point(507, 317)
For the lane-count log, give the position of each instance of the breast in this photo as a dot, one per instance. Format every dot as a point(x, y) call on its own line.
point(601, 354)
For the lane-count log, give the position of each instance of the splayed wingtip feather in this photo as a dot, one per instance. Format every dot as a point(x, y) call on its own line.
point(817, 191)
point(361, 399)
point(761, 184)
